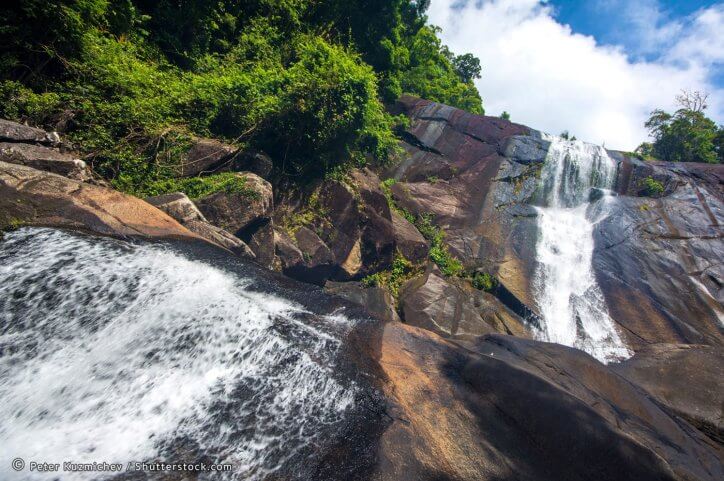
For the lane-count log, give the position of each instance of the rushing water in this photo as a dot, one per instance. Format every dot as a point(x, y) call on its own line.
point(115, 352)
point(573, 195)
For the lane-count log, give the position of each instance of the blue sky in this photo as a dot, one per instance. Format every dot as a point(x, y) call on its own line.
point(596, 68)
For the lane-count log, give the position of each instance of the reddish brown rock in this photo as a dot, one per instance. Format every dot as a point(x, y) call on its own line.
point(508, 408)
point(687, 379)
point(33, 197)
point(408, 239)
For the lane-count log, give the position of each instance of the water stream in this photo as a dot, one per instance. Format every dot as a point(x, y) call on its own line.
point(117, 352)
point(574, 195)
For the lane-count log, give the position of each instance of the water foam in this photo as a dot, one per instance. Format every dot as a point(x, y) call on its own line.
point(569, 299)
point(117, 352)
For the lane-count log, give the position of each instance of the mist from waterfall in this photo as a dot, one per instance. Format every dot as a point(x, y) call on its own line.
point(574, 194)
point(120, 352)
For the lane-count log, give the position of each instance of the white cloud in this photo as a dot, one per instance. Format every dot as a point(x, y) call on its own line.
point(553, 79)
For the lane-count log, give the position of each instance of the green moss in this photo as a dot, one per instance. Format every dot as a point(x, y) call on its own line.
point(197, 187)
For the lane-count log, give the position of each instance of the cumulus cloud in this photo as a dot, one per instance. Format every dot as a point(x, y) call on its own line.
point(553, 79)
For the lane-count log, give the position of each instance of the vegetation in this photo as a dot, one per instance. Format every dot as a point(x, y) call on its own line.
point(197, 187)
point(439, 252)
point(484, 281)
point(652, 187)
point(402, 270)
point(688, 135)
point(132, 81)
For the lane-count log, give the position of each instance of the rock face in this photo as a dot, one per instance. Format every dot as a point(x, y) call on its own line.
point(347, 231)
point(408, 239)
point(33, 197)
point(206, 156)
point(376, 301)
point(245, 214)
point(15, 132)
point(180, 207)
point(44, 158)
point(452, 307)
point(658, 260)
point(509, 408)
point(687, 379)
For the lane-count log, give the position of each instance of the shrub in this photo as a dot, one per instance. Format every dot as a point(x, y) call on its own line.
point(484, 281)
point(652, 187)
point(400, 272)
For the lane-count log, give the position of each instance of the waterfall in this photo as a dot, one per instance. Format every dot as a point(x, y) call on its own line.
point(574, 195)
point(118, 352)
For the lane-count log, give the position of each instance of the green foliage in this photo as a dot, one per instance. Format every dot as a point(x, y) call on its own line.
point(686, 136)
point(303, 81)
point(651, 186)
point(197, 187)
point(484, 281)
point(505, 115)
point(432, 75)
point(402, 270)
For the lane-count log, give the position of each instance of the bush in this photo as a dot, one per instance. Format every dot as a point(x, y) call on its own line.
point(484, 281)
point(402, 270)
point(652, 187)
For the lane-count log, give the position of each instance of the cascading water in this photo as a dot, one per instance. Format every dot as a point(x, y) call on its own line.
point(118, 352)
point(571, 303)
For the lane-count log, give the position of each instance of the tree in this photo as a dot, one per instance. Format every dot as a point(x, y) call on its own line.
point(467, 66)
point(685, 136)
point(505, 115)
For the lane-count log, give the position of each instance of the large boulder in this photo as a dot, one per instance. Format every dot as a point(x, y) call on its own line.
point(180, 207)
point(408, 239)
point(15, 132)
point(508, 408)
point(206, 156)
point(453, 307)
point(32, 197)
point(376, 300)
point(687, 379)
point(245, 213)
point(44, 158)
point(236, 211)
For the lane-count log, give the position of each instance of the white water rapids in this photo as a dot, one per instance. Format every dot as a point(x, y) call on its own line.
point(569, 299)
point(116, 352)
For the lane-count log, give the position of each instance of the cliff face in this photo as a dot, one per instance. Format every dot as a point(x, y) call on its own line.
point(659, 260)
